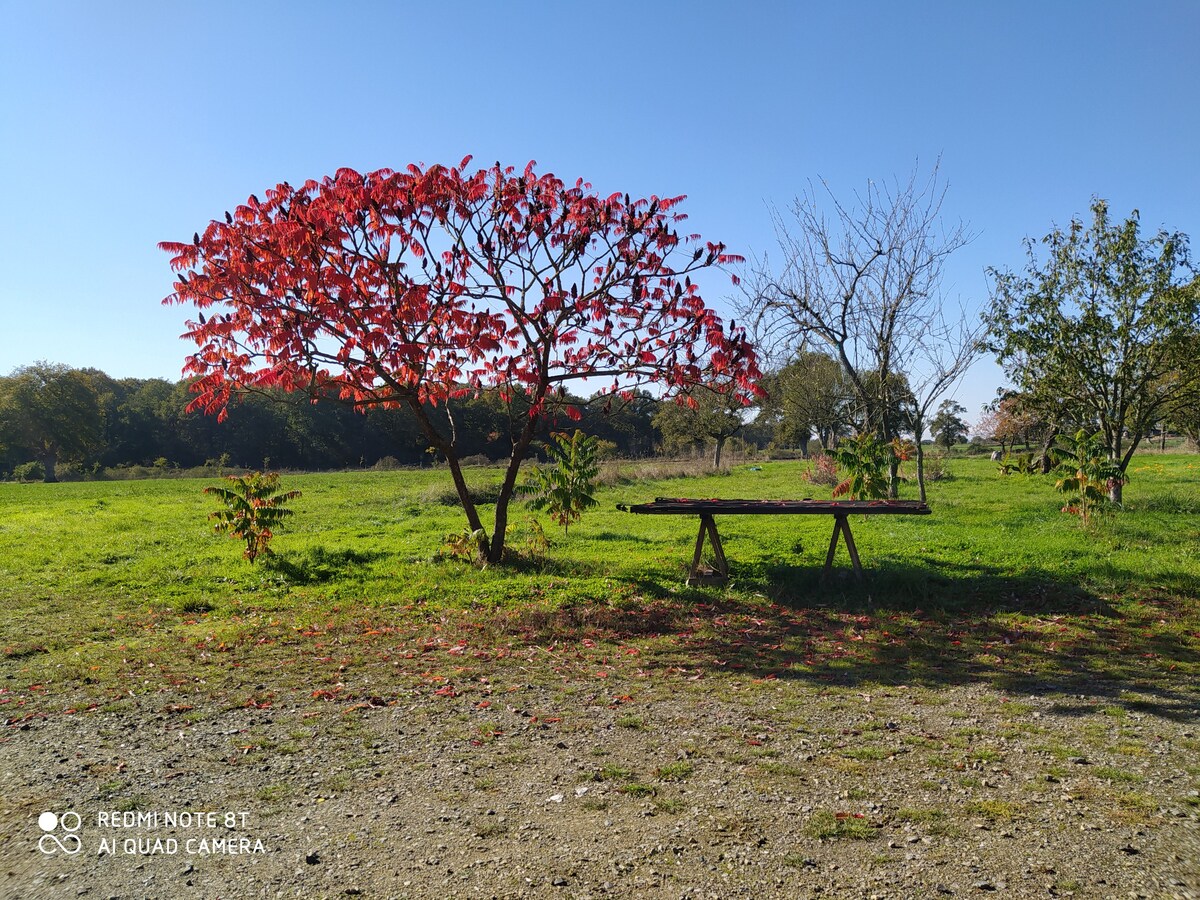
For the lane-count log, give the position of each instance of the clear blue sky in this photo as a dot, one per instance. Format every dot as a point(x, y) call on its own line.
point(126, 123)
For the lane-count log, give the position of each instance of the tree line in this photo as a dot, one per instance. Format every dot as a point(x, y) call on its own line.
point(72, 422)
point(80, 421)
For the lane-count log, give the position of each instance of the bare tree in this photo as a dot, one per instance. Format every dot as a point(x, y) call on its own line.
point(864, 282)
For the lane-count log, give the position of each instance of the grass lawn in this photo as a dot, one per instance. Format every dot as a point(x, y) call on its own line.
point(117, 588)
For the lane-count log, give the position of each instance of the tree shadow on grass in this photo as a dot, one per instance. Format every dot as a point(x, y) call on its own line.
point(521, 561)
point(318, 565)
point(613, 536)
point(1031, 632)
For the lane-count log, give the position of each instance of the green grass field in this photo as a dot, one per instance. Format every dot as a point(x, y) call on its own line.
point(112, 589)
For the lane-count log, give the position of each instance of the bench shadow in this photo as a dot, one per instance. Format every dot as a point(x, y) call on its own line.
point(1026, 633)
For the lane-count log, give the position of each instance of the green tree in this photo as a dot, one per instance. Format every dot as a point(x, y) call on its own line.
point(138, 432)
point(899, 410)
point(701, 415)
point(52, 413)
point(948, 427)
point(1102, 329)
point(809, 396)
point(626, 421)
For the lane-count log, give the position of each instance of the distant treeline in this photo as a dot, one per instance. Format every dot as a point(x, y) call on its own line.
point(81, 421)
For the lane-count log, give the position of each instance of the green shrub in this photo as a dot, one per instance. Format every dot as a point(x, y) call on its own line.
point(1086, 474)
point(447, 494)
point(253, 504)
point(71, 471)
point(466, 545)
point(1018, 463)
point(867, 461)
point(475, 460)
point(565, 489)
point(30, 471)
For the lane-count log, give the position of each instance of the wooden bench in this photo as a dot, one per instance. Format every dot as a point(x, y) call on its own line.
point(841, 510)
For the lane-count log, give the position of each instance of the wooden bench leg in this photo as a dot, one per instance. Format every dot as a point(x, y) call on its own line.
point(708, 528)
point(718, 550)
point(837, 527)
point(697, 556)
point(845, 523)
point(842, 525)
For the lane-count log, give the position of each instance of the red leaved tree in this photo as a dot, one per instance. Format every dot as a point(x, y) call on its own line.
point(407, 289)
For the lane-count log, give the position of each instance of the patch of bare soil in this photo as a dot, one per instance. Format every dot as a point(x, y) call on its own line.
point(700, 789)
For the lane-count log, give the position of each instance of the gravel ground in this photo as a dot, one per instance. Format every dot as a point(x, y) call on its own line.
point(693, 790)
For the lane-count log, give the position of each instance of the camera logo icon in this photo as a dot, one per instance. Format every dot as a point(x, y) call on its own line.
point(60, 833)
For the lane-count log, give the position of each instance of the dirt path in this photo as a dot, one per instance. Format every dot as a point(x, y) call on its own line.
point(738, 789)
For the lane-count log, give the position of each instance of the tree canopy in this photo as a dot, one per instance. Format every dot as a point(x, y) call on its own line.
point(810, 395)
point(702, 415)
point(50, 411)
point(948, 427)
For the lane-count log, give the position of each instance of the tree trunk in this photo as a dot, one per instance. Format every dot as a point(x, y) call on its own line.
point(1114, 487)
point(717, 453)
point(1115, 492)
point(1044, 461)
point(893, 478)
point(803, 442)
point(49, 460)
point(920, 428)
point(495, 552)
point(446, 448)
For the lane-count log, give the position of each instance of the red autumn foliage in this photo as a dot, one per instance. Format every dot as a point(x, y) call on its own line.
point(407, 288)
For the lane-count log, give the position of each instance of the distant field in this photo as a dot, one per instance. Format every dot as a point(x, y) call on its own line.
point(99, 580)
